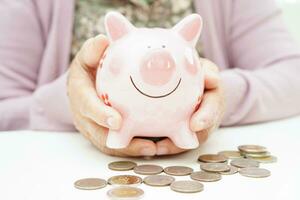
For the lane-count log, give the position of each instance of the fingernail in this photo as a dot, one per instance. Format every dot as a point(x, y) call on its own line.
point(162, 151)
point(112, 122)
point(200, 125)
point(214, 76)
point(147, 152)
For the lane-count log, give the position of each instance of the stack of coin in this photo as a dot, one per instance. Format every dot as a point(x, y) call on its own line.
point(257, 152)
point(246, 161)
point(212, 166)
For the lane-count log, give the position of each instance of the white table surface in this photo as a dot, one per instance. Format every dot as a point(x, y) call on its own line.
point(43, 165)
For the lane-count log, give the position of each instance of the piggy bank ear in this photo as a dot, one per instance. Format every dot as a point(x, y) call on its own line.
point(189, 28)
point(116, 26)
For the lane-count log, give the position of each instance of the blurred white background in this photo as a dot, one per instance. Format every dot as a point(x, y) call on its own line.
point(291, 11)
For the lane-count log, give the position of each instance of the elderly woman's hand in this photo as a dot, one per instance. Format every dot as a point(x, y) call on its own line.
point(209, 113)
point(91, 116)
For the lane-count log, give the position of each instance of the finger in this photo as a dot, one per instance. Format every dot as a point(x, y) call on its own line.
point(203, 135)
point(211, 74)
point(208, 112)
point(166, 147)
point(97, 136)
point(92, 51)
point(93, 108)
point(87, 101)
point(139, 147)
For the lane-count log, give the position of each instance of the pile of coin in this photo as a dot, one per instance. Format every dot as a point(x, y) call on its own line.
point(246, 161)
point(258, 153)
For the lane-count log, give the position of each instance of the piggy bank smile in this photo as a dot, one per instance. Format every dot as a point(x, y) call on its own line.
point(155, 96)
point(156, 69)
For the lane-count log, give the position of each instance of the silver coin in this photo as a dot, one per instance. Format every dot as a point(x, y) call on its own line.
point(187, 186)
point(252, 148)
point(90, 184)
point(243, 163)
point(269, 159)
point(205, 176)
point(122, 165)
point(125, 192)
point(233, 170)
point(212, 158)
point(231, 154)
point(178, 170)
point(148, 169)
point(125, 180)
point(255, 172)
point(215, 167)
point(158, 180)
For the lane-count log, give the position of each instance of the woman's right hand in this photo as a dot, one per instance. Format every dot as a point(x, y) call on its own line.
point(91, 116)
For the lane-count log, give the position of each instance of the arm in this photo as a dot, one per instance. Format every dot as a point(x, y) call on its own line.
point(264, 83)
point(22, 104)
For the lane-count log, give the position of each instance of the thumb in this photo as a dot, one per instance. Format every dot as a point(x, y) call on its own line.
point(211, 74)
point(92, 51)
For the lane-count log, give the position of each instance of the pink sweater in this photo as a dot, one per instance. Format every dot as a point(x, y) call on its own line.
point(247, 39)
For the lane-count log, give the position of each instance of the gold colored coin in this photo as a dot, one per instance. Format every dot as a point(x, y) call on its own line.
point(148, 169)
point(255, 172)
point(252, 149)
point(256, 155)
point(231, 154)
point(178, 170)
point(205, 176)
point(187, 186)
point(243, 163)
point(125, 192)
point(124, 180)
point(269, 159)
point(213, 158)
point(90, 184)
point(215, 167)
point(158, 180)
point(121, 165)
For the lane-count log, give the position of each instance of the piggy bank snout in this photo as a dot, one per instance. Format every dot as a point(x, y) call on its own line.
point(157, 68)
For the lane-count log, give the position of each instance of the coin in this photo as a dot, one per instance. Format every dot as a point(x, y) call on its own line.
point(215, 167)
point(205, 176)
point(121, 165)
point(148, 169)
point(158, 180)
point(256, 155)
point(252, 148)
point(255, 172)
point(178, 170)
point(232, 170)
point(187, 186)
point(231, 154)
point(124, 180)
point(90, 184)
point(269, 159)
point(243, 163)
point(212, 158)
point(125, 192)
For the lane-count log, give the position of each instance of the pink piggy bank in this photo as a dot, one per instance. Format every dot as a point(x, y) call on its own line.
point(153, 77)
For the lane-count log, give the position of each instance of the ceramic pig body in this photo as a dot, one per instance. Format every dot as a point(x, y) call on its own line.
point(153, 77)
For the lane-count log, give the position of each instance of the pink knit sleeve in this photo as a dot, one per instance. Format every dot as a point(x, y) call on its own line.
point(264, 82)
point(24, 105)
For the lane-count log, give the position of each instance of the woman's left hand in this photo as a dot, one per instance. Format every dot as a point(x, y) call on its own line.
point(209, 114)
